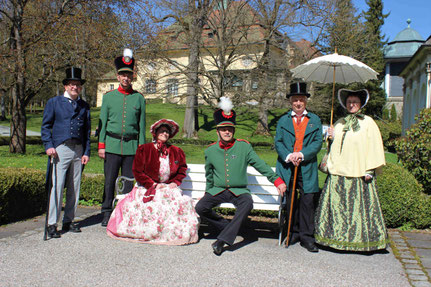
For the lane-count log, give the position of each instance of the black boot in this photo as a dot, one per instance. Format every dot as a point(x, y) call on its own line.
point(218, 247)
point(105, 220)
point(52, 232)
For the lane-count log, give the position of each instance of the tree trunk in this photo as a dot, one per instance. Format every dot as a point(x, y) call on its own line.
point(18, 120)
point(191, 122)
point(3, 108)
point(262, 124)
point(190, 117)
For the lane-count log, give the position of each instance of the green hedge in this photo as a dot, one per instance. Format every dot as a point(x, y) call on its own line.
point(402, 200)
point(22, 194)
point(390, 132)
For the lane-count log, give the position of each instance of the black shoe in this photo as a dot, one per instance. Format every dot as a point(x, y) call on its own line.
point(217, 247)
point(106, 217)
point(71, 226)
point(310, 246)
point(52, 232)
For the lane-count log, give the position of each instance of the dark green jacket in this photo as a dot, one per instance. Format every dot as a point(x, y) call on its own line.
point(284, 142)
point(227, 169)
point(124, 115)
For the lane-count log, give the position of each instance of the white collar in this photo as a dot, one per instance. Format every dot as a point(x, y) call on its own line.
point(67, 96)
point(303, 114)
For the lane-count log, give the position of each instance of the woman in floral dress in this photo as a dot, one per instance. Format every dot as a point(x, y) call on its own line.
point(156, 211)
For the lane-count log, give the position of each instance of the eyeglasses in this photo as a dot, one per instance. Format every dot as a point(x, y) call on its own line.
point(75, 85)
point(352, 103)
point(164, 132)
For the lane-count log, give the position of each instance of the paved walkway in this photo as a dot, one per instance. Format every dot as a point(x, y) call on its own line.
point(5, 131)
point(91, 258)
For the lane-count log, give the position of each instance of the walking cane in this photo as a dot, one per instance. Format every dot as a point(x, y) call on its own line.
point(48, 187)
point(291, 205)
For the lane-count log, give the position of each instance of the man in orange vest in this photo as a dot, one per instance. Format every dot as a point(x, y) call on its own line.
point(297, 141)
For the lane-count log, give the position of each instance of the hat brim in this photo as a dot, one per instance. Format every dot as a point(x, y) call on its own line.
point(65, 81)
point(174, 127)
point(343, 94)
point(225, 124)
point(125, 69)
point(306, 94)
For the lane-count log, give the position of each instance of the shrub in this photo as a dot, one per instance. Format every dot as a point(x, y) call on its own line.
point(390, 132)
point(414, 150)
point(393, 114)
point(401, 198)
point(92, 188)
point(22, 194)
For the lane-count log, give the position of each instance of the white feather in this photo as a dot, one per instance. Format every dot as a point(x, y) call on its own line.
point(128, 53)
point(226, 105)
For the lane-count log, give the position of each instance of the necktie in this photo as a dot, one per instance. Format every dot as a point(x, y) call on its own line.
point(298, 119)
point(73, 103)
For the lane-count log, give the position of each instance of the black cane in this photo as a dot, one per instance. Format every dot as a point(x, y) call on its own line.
point(48, 187)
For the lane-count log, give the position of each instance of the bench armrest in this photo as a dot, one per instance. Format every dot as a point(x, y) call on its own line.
point(119, 183)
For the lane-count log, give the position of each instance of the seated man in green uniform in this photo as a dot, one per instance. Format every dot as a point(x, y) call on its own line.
point(226, 164)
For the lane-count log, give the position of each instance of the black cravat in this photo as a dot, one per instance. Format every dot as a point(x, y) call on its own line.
point(73, 103)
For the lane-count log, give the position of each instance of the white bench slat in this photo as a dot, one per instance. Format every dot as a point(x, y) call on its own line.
point(264, 193)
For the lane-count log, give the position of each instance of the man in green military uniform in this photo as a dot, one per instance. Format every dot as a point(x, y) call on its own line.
point(121, 129)
point(226, 164)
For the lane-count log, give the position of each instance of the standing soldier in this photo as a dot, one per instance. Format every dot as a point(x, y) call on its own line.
point(121, 130)
point(298, 140)
point(65, 134)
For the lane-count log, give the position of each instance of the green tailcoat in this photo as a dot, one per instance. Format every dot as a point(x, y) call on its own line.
point(122, 114)
point(284, 142)
point(227, 169)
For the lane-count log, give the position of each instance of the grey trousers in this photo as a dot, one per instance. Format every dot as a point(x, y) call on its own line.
point(66, 172)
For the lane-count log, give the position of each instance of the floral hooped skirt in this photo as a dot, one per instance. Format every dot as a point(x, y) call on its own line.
point(349, 216)
point(169, 219)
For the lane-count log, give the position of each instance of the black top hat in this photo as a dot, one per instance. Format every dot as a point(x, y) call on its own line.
point(73, 74)
point(298, 89)
point(126, 63)
point(225, 116)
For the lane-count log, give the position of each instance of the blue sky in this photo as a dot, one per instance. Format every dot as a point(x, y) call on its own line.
point(419, 11)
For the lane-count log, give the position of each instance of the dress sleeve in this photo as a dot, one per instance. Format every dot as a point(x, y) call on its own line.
point(181, 172)
point(139, 168)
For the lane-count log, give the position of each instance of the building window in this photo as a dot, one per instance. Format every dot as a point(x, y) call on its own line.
point(172, 87)
point(247, 61)
point(254, 84)
point(150, 86)
point(111, 87)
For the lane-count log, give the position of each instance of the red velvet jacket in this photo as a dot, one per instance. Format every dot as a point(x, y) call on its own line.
point(146, 165)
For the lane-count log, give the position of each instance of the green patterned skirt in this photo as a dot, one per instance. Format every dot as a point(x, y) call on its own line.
point(349, 216)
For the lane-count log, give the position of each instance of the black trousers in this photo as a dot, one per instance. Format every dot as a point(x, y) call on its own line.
point(229, 229)
point(112, 164)
point(303, 210)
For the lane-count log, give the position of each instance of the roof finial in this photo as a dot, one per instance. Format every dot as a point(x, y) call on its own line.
point(408, 23)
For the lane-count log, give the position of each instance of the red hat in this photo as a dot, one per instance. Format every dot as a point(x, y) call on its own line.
point(173, 126)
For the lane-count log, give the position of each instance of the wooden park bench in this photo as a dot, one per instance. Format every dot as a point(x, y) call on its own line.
point(264, 193)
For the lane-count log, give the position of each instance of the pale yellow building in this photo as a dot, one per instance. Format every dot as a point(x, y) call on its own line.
point(163, 77)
